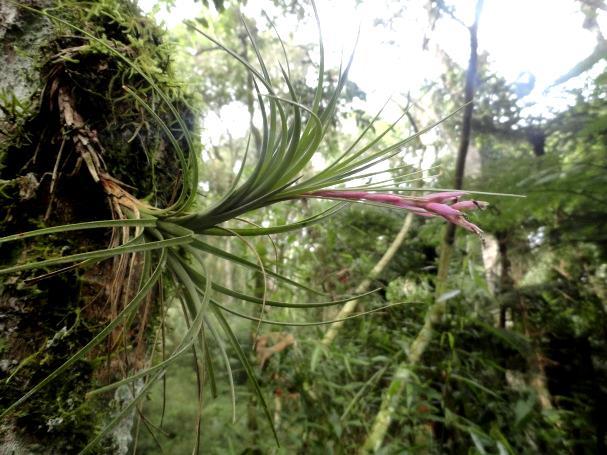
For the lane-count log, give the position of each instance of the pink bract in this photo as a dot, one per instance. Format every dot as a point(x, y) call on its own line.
point(445, 204)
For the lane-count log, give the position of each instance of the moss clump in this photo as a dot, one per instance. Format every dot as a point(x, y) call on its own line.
point(45, 322)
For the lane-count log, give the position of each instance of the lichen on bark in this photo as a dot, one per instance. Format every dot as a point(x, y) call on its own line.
point(63, 105)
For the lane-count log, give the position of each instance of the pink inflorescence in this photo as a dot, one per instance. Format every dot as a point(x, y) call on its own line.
point(446, 204)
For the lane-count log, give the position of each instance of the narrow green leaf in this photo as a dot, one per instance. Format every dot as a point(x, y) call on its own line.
point(475, 384)
point(226, 361)
point(100, 254)
point(277, 229)
point(247, 366)
point(366, 386)
point(184, 345)
point(119, 417)
point(302, 324)
point(80, 226)
point(203, 246)
point(190, 178)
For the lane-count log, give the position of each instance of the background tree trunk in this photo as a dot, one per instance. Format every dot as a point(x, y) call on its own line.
point(392, 395)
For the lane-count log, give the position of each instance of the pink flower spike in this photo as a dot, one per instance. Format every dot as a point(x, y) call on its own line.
point(413, 208)
point(470, 205)
point(467, 225)
point(383, 198)
point(443, 210)
point(431, 205)
point(445, 196)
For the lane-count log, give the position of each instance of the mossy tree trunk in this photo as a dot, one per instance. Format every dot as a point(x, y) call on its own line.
point(67, 127)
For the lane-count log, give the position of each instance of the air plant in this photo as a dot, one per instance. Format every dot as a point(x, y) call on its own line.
point(171, 243)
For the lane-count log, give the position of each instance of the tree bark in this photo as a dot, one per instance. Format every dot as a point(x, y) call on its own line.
point(64, 117)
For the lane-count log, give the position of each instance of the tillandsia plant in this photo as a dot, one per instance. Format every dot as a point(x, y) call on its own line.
point(155, 246)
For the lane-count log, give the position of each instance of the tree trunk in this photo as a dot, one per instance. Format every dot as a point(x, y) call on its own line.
point(402, 374)
point(506, 283)
point(67, 134)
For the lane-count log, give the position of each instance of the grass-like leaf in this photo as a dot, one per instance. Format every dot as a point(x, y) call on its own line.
point(100, 254)
point(302, 324)
point(247, 366)
point(79, 227)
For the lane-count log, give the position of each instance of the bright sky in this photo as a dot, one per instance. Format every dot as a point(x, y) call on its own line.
point(543, 37)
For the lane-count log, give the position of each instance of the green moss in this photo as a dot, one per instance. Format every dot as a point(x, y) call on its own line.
point(23, 35)
point(44, 323)
point(46, 317)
